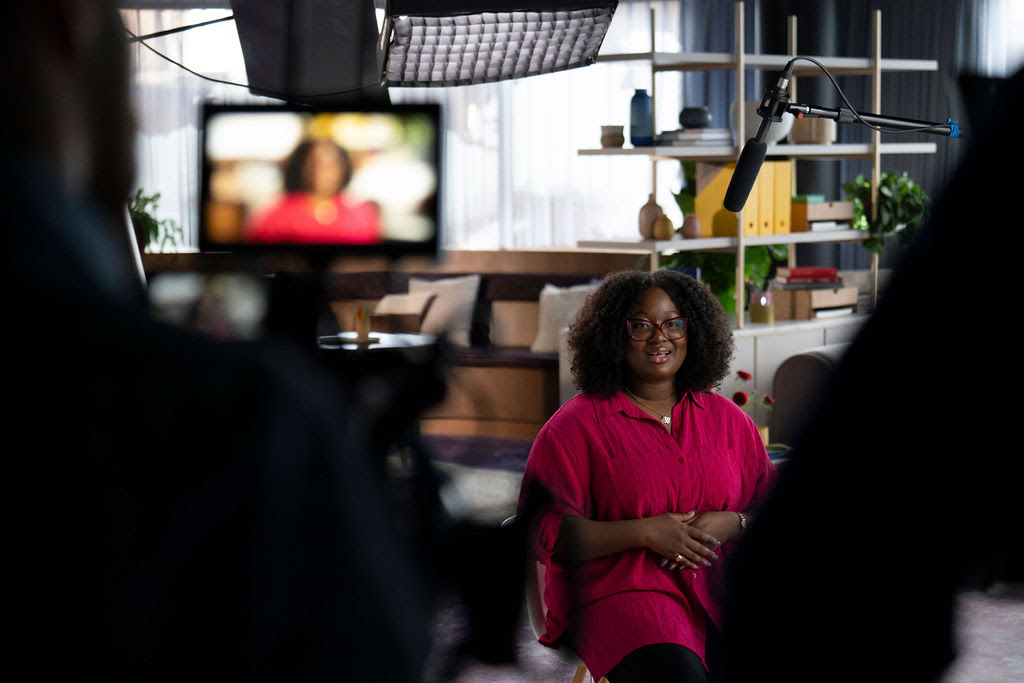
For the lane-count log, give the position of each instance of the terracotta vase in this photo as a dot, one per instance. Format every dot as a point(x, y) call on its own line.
point(649, 213)
point(690, 228)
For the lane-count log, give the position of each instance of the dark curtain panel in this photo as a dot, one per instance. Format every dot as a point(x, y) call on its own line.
point(708, 26)
point(947, 31)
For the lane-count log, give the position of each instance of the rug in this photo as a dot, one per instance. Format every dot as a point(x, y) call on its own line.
point(484, 475)
point(478, 451)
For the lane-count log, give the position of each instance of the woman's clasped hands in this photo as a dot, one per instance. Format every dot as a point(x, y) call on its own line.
point(685, 540)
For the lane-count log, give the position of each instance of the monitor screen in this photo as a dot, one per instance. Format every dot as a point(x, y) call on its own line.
point(291, 178)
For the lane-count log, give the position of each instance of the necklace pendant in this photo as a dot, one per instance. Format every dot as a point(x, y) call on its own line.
point(667, 420)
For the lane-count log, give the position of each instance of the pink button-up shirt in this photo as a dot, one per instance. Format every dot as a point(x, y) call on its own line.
point(603, 458)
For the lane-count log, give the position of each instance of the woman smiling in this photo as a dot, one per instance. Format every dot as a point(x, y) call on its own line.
point(651, 477)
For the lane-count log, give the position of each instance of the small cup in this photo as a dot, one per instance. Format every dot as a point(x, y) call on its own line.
point(612, 136)
point(762, 310)
point(361, 324)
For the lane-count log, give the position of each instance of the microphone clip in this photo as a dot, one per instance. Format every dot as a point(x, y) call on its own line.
point(775, 102)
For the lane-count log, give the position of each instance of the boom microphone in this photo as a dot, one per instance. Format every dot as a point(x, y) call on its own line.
point(772, 107)
point(743, 177)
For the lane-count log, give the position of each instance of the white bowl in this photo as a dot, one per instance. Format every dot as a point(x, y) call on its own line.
point(776, 132)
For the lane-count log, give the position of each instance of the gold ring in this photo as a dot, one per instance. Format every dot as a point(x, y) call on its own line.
point(679, 558)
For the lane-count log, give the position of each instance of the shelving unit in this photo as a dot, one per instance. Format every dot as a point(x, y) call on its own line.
point(739, 61)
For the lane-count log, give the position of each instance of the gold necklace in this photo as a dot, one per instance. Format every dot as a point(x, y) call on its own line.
point(666, 419)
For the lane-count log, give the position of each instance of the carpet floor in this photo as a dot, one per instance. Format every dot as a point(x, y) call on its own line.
point(485, 476)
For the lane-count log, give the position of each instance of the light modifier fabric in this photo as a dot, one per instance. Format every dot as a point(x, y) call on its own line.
point(483, 47)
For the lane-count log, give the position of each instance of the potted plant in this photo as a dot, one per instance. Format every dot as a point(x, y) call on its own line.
point(718, 269)
point(148, 229)
point(902, 208)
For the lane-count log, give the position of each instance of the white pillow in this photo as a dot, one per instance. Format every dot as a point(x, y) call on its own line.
point(403, 304)
point(451, 313)
point(558, 308)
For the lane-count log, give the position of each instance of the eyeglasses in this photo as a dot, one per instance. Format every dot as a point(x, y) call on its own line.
point(643, 330)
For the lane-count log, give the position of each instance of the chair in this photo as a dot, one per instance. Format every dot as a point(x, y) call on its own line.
point(537, 611)
point(798, 386)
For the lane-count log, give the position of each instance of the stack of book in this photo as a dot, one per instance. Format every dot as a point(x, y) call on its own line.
point(811, 292)
point(694, 136)
point(807, 277)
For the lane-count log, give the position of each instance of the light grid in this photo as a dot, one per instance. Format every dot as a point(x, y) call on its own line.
point(491, 46)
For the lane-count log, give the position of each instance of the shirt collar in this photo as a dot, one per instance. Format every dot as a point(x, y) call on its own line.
point(619, 402)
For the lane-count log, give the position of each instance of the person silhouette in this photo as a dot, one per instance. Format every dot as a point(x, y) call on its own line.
point(902, 490)
point(173, 506)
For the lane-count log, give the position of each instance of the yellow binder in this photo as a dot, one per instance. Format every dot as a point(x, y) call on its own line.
point(712, 182)
point(782, 204)
point(750, 212)
point(765, 198)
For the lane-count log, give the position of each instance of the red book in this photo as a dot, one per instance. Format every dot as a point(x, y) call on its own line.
point(806, 271)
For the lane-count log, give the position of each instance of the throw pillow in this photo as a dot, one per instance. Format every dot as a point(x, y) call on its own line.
point(413, 303)
point(558, 307)
point(451, 313)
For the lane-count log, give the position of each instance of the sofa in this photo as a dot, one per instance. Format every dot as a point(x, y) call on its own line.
point(500, 333)
point(798, 387)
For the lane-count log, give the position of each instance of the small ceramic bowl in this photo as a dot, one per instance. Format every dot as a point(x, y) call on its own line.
point(695, 117)
point(612, 136)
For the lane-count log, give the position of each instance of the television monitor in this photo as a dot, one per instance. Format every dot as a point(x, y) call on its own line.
point(329, 180)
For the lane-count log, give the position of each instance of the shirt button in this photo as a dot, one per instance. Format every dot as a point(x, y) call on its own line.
point(681, 460)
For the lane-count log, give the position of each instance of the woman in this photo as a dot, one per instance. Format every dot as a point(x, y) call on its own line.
point(650, 478)
point(315, 209)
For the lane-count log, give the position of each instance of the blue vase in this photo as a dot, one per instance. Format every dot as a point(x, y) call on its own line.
point(641, 119)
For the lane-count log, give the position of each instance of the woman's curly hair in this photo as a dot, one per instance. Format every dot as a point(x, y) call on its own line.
point(295, 179)
point(598, 339)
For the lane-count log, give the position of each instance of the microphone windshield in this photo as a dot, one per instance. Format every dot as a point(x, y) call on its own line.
point(745, 174)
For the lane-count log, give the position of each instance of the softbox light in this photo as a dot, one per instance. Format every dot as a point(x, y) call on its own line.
point(462, 43)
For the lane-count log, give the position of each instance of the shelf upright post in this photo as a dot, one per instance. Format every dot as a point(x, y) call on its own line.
point(654, 109)
point(876, 145)
point(741, 127)
point(791, 41)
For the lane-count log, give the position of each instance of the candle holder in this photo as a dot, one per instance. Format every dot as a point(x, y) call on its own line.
point(361, 323)
point(762, 310)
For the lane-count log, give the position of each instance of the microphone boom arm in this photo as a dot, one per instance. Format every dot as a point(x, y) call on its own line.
point(949, 129)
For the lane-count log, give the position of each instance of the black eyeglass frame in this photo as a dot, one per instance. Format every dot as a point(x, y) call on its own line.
point(656, 326)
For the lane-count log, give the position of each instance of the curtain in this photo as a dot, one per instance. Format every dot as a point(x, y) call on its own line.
point(963, 36)
point(513, 174)
point(168, 100)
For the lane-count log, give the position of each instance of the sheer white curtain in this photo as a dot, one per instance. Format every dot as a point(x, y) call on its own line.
point(1002, 49)
point(514, 178)
point(168, 100)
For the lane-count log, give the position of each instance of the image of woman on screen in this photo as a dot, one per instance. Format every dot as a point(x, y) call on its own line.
point(315, 208)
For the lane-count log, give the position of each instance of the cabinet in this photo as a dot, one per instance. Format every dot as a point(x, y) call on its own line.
point(739, 61)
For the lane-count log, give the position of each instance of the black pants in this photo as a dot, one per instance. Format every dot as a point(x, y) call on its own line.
point(668, 663)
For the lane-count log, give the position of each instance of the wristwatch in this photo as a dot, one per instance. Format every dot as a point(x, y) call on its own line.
point(743, 521)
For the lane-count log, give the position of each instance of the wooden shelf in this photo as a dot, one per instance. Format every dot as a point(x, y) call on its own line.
point(730, 152)
point(739, 61)
point(723, 243)
point(722, 61)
